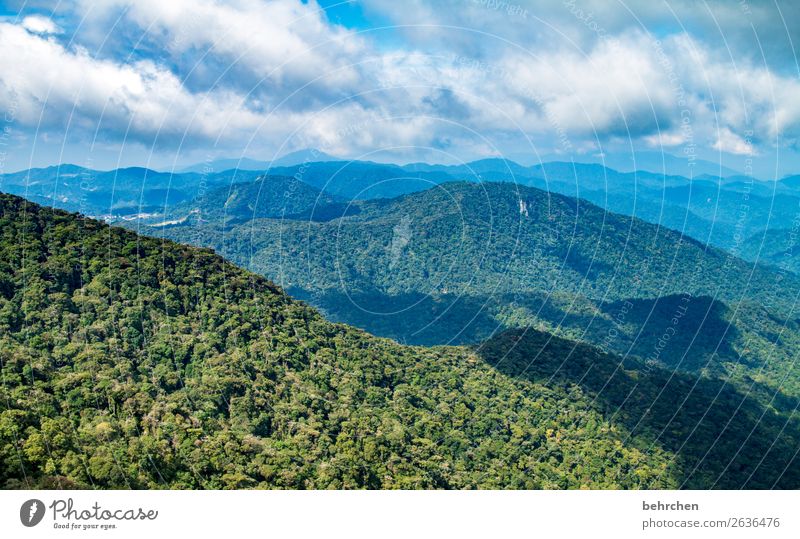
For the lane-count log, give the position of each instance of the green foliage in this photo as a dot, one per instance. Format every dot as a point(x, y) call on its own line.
point(775, 247)
point(460, 262)
point(132, 362)
point(128, 362)
point(723, 437)
point(276, 197)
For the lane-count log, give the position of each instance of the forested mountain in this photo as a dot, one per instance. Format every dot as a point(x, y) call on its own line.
point(116, 194)
point(362, 180)
point(495, 238)
point(714, 210)
point(461, 262)
point(779, 248)
point(131, 362)
point(265, 197)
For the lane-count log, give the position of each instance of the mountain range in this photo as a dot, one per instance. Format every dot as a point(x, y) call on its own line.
point(463, 262)
point(557, 272)
point(134, 362)
point(247, 164)
point(724, 212)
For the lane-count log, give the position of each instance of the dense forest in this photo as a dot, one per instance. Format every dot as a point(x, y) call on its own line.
point(474, 239)
point(134, 362)
point(461, 262)
point(779, 248)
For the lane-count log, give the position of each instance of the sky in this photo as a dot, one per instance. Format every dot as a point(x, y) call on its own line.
point(165, 84)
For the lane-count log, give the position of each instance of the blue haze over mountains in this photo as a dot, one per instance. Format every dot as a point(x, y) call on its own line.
point(731, 211)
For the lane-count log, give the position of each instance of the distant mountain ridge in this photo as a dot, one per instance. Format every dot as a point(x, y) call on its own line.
point(116, 194)
point(246, 163)
point(707, 208)
point(275, 197)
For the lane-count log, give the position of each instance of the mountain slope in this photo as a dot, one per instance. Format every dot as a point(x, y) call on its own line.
point(492, 237)
point(128, 362)
point(132, 363)
point(713, 210)
point(266, 197)
point(777, 248)
point(462, 262)
point(116, 194)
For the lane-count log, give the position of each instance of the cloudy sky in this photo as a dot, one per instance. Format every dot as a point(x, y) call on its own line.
point(158, 83)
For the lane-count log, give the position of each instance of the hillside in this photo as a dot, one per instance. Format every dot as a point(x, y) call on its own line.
point(461, 262)
point(494, 238)
point(129, 362)
point(713, 210)
point(777, 248)
point(114, 195)
point(276, 197)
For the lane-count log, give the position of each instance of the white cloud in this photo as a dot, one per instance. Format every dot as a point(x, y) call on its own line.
point(729, 142)
point(616, 88)
point(251, 72)
point(40, 25)
point(665, 139)
point(50, 86)
point(285, 43)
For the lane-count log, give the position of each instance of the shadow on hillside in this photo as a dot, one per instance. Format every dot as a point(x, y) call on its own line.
point(723, 439)
point(639, 327)
point(322, 213)
point(416, 319)
point(682, 332)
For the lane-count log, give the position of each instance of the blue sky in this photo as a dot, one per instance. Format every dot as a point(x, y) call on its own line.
point(163, 84)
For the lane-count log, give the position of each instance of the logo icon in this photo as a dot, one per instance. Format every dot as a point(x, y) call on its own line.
point(31, 513)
